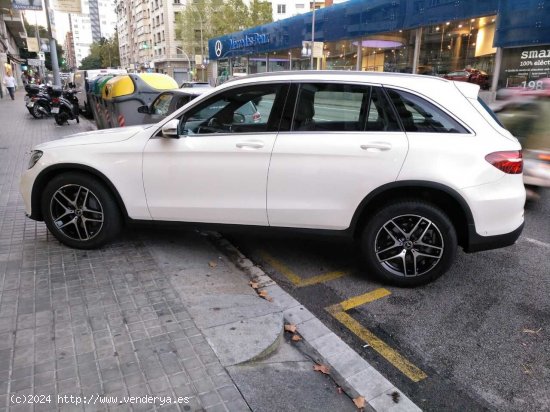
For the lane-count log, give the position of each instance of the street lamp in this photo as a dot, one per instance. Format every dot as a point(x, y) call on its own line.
point(188, 61)
point(312, 36)
point(193, 6)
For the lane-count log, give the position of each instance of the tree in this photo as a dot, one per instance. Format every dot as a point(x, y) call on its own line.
point(90, 62)
point(103, 54)
point(217, 17)
point(260, 13)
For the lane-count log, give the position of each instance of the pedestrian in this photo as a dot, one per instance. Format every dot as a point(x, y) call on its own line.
point(24, 78)
point(9, 81)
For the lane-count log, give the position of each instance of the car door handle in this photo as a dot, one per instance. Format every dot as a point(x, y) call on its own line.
point(376, 146)
point(252, 145)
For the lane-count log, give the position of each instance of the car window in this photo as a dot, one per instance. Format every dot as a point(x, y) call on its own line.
point(244, 110)
point(183, 100)
point(342, 107)
point(419, 115)
point(161, 105)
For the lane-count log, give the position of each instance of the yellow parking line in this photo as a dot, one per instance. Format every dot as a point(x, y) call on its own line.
point(391, 355)
point(297, 280)
point(365, 298)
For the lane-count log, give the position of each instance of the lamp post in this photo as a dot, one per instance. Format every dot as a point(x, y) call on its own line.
point(53, 47)
point(198, 12)
point(312, 36)
point(188, 61)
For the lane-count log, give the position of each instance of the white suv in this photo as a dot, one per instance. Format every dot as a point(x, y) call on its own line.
point(411, 166)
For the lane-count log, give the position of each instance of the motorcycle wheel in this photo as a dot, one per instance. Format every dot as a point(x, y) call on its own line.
point(61, 118)
point(36, 112)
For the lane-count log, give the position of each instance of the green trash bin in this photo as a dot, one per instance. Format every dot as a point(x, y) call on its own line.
point(99, 104)
point(124, 94)
point(92, 98)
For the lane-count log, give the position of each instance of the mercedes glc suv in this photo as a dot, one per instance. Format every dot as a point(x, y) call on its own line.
point(410, 166)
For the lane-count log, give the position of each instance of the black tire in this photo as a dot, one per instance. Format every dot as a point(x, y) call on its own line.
point(61, 118)
point(80, 211)
point(36, 112)
point(401, 257)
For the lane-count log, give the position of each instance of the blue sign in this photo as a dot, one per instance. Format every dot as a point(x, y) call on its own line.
point(249, 40)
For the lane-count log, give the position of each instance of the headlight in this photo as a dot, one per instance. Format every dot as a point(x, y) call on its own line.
point(35, 157)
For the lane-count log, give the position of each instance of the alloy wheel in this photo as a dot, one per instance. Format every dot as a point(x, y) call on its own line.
point(409, 245)
point(76, 212)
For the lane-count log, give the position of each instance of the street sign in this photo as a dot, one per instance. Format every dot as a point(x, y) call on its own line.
point(41, 56)
point(34, 62)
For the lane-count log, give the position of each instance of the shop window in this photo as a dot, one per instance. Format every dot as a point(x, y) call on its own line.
point(458, 45)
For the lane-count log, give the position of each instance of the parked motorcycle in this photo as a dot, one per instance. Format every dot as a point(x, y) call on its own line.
point(38, 101)
point(64, 105)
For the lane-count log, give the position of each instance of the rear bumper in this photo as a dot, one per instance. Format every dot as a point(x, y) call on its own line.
point(478, 243)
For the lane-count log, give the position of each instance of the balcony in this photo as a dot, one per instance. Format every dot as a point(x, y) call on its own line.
point(14, 23)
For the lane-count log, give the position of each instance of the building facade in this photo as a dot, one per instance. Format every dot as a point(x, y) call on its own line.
point(506, 40)
point(147, 38)
point(69, 52)
point(98, 19)
point(12, 37)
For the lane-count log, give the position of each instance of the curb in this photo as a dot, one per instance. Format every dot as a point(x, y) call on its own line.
point(349, 370)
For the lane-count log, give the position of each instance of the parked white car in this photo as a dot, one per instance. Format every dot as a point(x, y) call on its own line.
point(411, 166)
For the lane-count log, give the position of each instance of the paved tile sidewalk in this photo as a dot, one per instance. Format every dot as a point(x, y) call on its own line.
point(90, 323)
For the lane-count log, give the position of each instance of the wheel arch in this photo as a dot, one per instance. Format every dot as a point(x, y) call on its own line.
point(447, 199)
point(55, 170)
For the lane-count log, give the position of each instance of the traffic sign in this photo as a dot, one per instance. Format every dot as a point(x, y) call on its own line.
point(34, 62)
point(41, 56)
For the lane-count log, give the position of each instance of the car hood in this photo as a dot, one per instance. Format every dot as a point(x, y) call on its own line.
point(113, 135)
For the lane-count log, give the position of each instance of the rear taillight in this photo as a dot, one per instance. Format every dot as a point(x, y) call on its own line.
point(55, 100)
point(544, 156)
point(509, 162)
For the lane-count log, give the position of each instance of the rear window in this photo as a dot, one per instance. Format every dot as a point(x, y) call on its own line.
point(489, 111)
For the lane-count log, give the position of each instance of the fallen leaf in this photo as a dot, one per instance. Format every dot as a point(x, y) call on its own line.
point(395, 396)
point(322, 368)
point(531, 331)
point(212, 264)
point(262, 293)
point(296, 338)
point(526, 369)
point(254, 285)
point(359, 402)
point(339, 390)
point(290, 327)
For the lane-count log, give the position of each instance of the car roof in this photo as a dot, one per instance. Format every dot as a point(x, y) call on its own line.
point(434, 87)
point(186, 91)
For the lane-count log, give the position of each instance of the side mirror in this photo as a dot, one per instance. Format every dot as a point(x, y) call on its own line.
point(143, 109)
point(238, 118)
point(170, 129)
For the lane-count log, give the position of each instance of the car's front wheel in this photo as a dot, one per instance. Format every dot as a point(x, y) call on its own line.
point(80, 211)
point(409, 243)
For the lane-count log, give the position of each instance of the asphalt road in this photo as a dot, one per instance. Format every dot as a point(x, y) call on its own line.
point(476, 339)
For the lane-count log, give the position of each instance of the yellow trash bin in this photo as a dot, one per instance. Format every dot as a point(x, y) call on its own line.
point(124, 94)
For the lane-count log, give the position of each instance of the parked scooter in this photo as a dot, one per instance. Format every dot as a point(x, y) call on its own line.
point(38, 101)
point(64, 105)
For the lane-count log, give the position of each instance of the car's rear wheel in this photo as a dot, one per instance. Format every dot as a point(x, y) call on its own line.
point(408, 243)
point(80, 211)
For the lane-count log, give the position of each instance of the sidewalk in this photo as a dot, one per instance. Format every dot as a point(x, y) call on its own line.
point(159, 320)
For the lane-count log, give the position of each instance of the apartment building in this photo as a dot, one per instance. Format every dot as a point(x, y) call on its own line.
point(147, 39)
point(69, 52)
point(98, 19)
point(12, 37)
